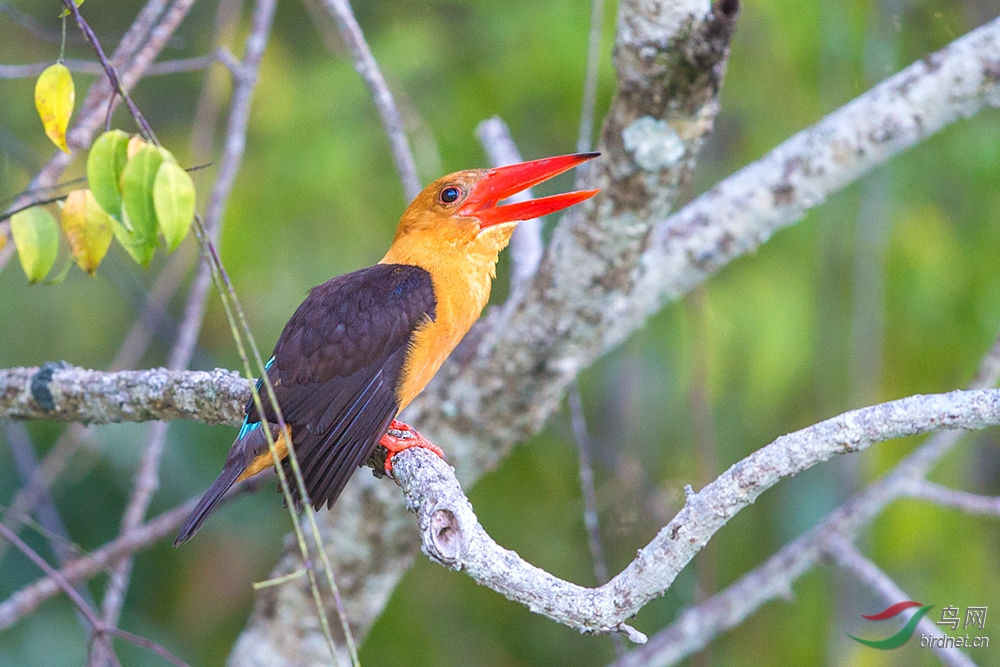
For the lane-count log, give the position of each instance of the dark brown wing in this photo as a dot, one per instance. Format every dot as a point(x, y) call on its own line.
point(336, 366)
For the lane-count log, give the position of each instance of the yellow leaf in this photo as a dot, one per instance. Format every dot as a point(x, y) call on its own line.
point(54, 97)
point(88, 229)
point(135, 144)
point(36, 236)
point(105, 164)
point(167, 155)
point(66, 12)
point(3, 241)
point(173, 199)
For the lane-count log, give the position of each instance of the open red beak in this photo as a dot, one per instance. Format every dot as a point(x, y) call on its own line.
point(502, 182)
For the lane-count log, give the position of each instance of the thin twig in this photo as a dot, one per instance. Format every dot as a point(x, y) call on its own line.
point(590, 515)
point(101, 630)
point(969, 503)
point(854, 562)
point(526, 245)
point(109, 69)
point(60, 581)
point(33, 492)
point(584, 141)
point(215, 86)
point(166, 67)
point(591, 518)
point(26, 600)
point(49, 520)
point(392, 121)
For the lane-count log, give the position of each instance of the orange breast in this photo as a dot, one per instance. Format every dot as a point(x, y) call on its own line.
point(460, 300)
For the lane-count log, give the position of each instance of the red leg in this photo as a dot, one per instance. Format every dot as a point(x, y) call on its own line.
point(408, 438)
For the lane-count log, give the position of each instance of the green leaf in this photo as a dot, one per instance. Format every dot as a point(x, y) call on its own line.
point(173, 199)
point(54, 98)
point(88, 229)
point(138, 181)
point(36, 236)
point(105, 165)
point(142, 253)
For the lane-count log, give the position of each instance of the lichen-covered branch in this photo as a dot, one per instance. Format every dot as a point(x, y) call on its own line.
point(741, 212)
point(695, 628)
point(452, 536)
point(59, 392)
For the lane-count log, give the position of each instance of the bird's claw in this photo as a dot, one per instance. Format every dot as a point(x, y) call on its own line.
point(400, 436)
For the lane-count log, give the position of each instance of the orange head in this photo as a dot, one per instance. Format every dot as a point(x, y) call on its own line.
point(458, 215)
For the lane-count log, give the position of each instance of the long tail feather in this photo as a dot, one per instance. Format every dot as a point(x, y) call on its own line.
point(230, 473)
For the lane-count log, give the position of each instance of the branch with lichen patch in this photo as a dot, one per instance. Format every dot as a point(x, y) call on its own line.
point(452, 536)
point(64, 393)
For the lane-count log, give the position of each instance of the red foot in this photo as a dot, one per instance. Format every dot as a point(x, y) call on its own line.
point(407, 437)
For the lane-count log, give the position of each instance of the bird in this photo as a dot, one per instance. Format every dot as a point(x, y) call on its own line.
point(361, 346)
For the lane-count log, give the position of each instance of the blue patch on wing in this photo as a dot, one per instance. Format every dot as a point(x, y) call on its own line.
point(248, 427)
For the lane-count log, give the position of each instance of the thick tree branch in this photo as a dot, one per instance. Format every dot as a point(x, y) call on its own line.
point(740, 213)
point(696, 627)
point(58, 392)
point(452, 536)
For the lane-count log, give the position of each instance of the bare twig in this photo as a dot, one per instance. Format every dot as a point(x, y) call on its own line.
point(49, 521)
point(35, 489)
point(95, 623)
point(166, 67)
point(27, 600)
point(970, 503)
point(101, 630)
point(137, 340)
point(584, 141)
point(590, 516)
point(109, 69)
point(526, 246)
point(215, 87)
point(392, 121)
point(854, 562)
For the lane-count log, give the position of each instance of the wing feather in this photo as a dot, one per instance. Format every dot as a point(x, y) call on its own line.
point(337, 365)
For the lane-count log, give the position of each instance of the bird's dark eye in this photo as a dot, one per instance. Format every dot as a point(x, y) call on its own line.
point(450, 195)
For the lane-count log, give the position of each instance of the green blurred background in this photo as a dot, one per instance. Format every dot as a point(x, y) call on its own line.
point(889, 289)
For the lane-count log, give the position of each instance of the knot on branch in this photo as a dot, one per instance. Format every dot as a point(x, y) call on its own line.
point(446, 537)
